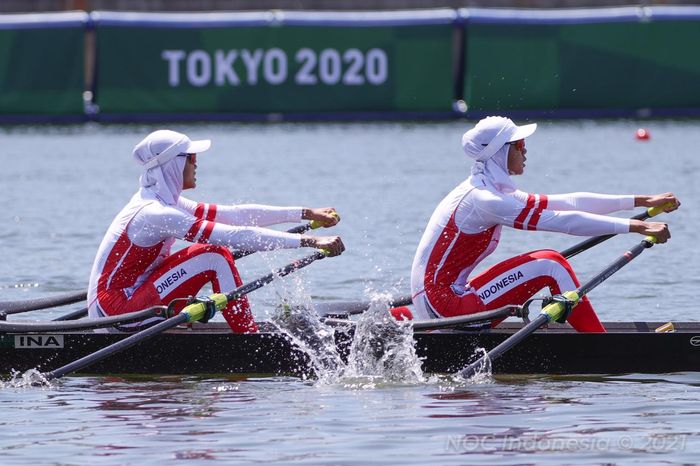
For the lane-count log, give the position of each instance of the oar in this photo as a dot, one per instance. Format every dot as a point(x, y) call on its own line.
point(189, 314)
point(83, 324)
point(449, 322)
point(356, 307)
point(590, 242)
point(16, 307)
point(34, 304)
point(557, 309)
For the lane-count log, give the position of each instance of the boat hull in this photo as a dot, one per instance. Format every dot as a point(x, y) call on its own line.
point(630, 347)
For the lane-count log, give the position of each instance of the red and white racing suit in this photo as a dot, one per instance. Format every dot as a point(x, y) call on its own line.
point(465, 228)
point(134, 269)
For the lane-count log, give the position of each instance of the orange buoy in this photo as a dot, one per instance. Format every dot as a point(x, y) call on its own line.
point(643, 135)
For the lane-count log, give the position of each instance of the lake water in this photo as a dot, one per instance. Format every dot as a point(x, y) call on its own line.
point(62, 185)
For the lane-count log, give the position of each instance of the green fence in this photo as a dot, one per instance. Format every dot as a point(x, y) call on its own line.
point(581, 61)
point(42, 65)
point(262, 63)
point(629, 61)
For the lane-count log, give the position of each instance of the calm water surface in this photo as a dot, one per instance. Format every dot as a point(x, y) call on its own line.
point(63, 185)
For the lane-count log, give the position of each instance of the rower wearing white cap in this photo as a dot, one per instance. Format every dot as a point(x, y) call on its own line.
point(134, 268)
point(466, 226)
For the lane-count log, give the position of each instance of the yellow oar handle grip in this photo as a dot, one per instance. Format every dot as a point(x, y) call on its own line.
point(556, 309)
point(651, 239)
point(196, 311)
point(318, 224)
point(654, 211)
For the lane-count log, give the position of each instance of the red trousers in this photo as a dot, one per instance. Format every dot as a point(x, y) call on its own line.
point(514, 281)
point(182, 275)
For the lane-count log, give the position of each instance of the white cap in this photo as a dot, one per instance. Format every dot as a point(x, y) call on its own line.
point(490, 134)
point(163, 145)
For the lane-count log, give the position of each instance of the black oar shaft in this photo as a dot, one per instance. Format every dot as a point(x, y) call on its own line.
point(35, 304)
point(614, 267)
point(517, 337)
point(82, 324)
point(356, 307)
point(116, 347)
point(286, 270)
point(556, 308)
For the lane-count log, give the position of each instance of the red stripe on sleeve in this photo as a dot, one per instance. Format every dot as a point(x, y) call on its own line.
point(208, 228)
point(541, 205)
point(532, 224)
point(199, 211)
point(192, 233)
point(211, 212)
point(523, 213)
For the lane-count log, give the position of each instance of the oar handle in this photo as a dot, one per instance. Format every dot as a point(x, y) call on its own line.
point(312, 225)
point(654, 211)
point(555, 310)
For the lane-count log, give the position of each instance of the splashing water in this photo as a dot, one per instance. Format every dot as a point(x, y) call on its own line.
point(303, 326)
point(30, 378)
point(383, 348)
point(483, 374)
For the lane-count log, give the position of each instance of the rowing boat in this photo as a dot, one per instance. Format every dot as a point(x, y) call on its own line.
point(166, 347)
point(628, 347)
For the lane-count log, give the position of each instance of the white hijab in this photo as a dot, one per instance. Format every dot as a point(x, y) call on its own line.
point(160, 154)
point(494, 171)
point(164, 181)
point(487, 144)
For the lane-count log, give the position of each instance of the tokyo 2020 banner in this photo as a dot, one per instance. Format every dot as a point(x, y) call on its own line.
point(268, 63)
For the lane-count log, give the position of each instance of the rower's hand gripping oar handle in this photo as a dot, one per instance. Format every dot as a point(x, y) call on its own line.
point(590, 242)
point(312, 225)
point(653, 211)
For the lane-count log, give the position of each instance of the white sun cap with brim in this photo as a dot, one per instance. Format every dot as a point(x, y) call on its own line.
point(490, 134)
point(163, 145)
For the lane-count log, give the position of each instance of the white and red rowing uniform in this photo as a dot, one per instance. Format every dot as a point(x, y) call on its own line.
point(466, 226)
point(134, 268)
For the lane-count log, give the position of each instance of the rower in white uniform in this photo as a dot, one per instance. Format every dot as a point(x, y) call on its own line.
point(466, 227)
point(134, 267)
